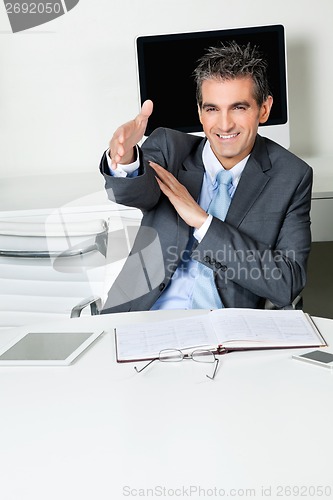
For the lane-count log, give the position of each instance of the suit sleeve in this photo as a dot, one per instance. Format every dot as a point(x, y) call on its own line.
point(140, 192)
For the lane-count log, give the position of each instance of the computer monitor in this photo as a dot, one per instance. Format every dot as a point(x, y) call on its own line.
point(166, 63)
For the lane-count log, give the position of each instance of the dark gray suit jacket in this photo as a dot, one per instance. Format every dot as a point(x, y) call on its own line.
point(260, 251)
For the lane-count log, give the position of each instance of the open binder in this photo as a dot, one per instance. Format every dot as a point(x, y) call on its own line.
point(221, 330)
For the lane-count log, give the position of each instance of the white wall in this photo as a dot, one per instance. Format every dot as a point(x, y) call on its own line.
point(66, 85)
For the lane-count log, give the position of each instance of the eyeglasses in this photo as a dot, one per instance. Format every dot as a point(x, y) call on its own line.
point(199, 355)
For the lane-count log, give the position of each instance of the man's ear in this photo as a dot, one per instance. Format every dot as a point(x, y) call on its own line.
point(199, 113)
point(265, 109)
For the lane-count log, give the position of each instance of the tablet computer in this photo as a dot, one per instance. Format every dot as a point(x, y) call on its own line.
point(46, 348)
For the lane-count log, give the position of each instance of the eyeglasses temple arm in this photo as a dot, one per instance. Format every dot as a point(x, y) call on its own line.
point(217, 361)
point(144, 367)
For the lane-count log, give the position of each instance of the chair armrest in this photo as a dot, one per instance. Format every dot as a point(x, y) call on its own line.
point(42, 254)
point(297, 303)
point(64, 239)
point(94, 302)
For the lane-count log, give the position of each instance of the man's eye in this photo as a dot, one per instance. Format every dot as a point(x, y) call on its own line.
point(240, 107)
point(210, 109)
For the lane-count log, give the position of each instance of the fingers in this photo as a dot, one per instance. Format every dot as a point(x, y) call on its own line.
point(164, 188)
point(142, 118)
point(187, 208)
point(168, 183)
point(117, 156)
point(116, 151)
point(121, 146)
point(147, 108)
point(128, 135)
point(166, 177)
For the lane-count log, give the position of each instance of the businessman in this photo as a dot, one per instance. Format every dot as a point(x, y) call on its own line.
point(194, 250)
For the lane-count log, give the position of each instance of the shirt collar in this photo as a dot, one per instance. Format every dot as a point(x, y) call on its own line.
point(213, 166)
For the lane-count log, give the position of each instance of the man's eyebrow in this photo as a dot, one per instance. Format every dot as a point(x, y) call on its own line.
point(209, 105)
point(233, 105)
point(241, 103)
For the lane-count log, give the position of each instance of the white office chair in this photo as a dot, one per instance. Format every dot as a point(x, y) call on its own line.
point(48, 267)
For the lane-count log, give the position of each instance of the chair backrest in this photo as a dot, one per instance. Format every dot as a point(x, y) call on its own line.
point(48, 266)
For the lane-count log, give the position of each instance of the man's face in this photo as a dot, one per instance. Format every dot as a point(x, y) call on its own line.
point(230, 117)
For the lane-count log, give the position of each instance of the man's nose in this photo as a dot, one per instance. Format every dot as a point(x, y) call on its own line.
point(225, 121)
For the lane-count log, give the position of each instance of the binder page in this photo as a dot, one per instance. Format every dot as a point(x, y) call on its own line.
point(264, 328)
point(146, 340)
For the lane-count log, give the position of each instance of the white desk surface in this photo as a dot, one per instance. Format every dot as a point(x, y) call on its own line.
point(98, 430)
point(322, 176)
point(46, 194)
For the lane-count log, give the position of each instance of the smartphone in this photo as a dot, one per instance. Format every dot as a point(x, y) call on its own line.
point(320, 358)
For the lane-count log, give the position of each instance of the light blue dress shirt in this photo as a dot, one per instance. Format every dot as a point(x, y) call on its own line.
point(178, 294)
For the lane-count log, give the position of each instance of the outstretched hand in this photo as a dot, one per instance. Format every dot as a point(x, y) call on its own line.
point(128, 135)
point(178, 195)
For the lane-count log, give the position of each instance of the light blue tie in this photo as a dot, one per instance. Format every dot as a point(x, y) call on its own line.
point(205, 295)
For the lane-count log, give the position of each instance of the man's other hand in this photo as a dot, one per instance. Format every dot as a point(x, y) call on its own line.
point(178, 195)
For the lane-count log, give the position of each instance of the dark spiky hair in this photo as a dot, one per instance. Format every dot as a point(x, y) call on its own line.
point(230, 61)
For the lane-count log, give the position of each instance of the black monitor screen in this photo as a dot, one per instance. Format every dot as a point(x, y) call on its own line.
point(166, 64)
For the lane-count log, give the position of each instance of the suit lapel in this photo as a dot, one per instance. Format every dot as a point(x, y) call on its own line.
point(191, 175)
point(251, 184)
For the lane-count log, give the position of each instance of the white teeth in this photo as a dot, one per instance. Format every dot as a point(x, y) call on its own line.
point(227, 136)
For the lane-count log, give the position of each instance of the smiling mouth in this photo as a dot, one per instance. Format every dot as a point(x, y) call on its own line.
point(227, 136)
